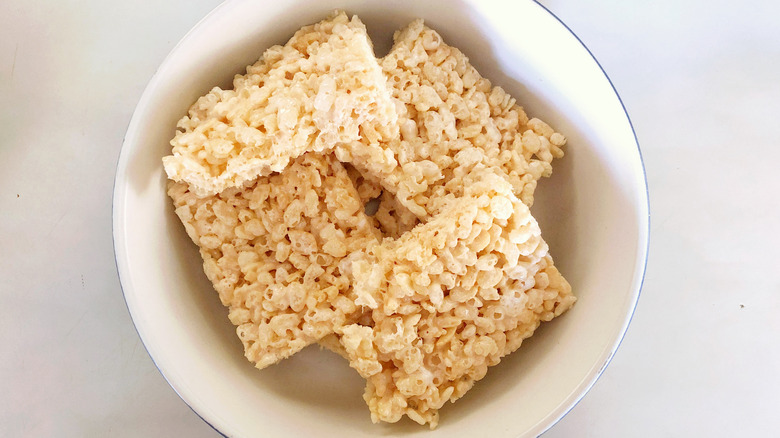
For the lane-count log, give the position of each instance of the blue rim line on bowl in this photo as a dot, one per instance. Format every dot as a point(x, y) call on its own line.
point(646, 241)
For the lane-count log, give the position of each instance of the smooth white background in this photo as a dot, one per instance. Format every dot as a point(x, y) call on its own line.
point(701, 81)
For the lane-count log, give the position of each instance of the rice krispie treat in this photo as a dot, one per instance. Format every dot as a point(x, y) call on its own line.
point(451, 117)
point(322, 88)
point(449, 299)
point(278, 253)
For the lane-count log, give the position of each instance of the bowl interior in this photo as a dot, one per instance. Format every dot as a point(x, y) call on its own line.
point(593, 213)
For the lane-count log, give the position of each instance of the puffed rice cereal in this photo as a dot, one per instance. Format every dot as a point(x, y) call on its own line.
point(450, 117)
point(278, 252)
point(324, 87)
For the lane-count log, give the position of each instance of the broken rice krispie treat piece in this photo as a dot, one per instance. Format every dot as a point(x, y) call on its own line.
point(278, 253)
point(449, 299)
point(322, 88)
point(451, 117)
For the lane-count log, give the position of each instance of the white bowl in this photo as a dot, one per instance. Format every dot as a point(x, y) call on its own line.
point(593, 212)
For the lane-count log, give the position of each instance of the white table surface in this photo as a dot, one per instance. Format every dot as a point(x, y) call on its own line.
point(700, 79)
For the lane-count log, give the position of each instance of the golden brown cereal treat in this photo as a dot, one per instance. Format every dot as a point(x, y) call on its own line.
point(450, 117)
point(278, 252)
point(386, 392)
point(322, 88)
point(450, 298)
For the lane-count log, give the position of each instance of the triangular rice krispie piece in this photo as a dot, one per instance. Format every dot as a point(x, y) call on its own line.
point(322, 88)
point(450, 118)
point(278, 253)
point(450, 298)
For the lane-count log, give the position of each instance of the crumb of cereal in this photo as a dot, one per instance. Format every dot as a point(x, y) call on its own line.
point(450, 117)
point(322, 88)
point(449, 299)
point(277, 252)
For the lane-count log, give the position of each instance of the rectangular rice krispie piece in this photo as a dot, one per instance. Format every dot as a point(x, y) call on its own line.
point(322, 88)
point(449, 299)
point(278, 253)
point(450, 117)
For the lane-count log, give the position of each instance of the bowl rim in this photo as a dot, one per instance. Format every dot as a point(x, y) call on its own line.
point(118, 195)
point(644, 244)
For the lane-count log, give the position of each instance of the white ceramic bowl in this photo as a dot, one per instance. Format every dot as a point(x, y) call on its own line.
point(593, 213)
